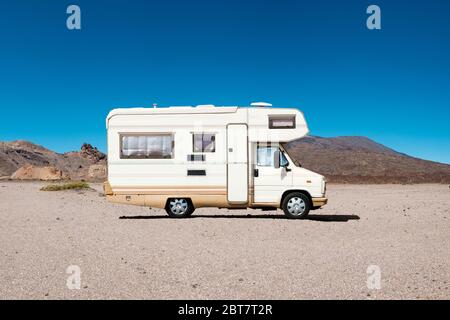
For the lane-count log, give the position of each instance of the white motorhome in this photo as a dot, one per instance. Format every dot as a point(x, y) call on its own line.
point(182, 158)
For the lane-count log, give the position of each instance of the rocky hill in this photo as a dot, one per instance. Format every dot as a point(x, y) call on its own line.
point(23, 160)
point(361, 160)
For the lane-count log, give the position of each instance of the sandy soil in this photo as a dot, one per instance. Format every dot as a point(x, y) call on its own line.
point(133, 252)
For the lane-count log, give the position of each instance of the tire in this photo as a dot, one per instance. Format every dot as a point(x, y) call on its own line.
point(179, 207)
point(296, 205)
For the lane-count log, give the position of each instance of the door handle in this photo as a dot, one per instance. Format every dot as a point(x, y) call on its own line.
point(255, 172)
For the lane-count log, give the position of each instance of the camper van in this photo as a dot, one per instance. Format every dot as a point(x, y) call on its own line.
point(183, 158)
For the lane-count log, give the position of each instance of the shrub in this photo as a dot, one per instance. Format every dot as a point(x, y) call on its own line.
point(66, 186)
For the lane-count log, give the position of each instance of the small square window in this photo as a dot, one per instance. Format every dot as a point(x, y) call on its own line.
point(282, 122)
point(204, 142)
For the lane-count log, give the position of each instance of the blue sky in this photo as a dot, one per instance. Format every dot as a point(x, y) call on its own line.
point(391, 85)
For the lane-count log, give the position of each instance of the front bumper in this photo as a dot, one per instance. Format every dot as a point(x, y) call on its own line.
point(318, 202)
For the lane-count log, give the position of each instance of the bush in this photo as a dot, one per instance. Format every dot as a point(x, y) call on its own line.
point(66, 186)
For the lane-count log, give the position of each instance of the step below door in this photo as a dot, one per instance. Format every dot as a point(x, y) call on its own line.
point(237, 164)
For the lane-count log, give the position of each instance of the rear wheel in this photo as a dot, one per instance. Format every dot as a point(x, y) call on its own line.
point(179, 207)
point(296, 205)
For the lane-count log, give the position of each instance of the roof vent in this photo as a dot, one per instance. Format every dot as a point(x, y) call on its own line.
point(260, 104)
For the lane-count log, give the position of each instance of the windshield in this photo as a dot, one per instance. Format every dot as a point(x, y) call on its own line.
point(294, 160)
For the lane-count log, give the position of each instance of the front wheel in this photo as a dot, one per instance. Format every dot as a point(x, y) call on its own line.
point(296, 205)
point(179, 208)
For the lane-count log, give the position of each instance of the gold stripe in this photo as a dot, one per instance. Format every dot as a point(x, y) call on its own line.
point(184, 192)
point(171, 187)
point(266, 204)
point(171, 190)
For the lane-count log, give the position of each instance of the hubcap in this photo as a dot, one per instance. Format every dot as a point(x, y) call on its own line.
point(178, 206)
point(296, 206)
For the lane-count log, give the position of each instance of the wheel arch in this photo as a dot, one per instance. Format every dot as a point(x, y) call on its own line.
point(306, 193)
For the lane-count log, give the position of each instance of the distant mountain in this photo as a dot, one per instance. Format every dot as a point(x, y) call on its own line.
point(340, 159)
point(24, 160)
point(361, 160)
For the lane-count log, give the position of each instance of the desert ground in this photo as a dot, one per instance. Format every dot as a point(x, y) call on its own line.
point(134, 252)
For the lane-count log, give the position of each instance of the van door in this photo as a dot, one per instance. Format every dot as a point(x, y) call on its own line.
point(237, 163)
point(269, 182)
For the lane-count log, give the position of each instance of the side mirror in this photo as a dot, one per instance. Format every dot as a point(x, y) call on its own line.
point(276, 159)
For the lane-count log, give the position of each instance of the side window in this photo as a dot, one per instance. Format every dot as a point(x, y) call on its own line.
point(264, 156)
point(204, 142)
point(146, 146)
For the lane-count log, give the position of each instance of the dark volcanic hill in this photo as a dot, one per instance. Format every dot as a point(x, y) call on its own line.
point(86, 164)
point(361, 160)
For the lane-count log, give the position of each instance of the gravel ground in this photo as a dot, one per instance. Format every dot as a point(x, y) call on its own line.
point(133, 252)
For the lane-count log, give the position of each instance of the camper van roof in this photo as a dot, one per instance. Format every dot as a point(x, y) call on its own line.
point(172, 109)
point(181, 110)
